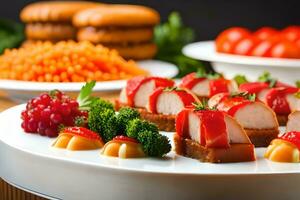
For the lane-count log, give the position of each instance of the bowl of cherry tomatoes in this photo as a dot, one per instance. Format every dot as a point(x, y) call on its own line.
point(239, 50)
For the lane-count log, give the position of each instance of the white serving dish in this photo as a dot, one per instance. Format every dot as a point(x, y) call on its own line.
point(29, 162)
point(287, 70)
point(21, 91)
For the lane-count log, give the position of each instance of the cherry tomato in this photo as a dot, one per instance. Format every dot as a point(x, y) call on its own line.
point(285, 49)
point(291, 33)
point(226, 41)
point(264, 47)
point(245, 45)
point(265, 33)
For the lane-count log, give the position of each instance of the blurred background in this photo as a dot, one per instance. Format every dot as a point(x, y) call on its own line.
point(206, 17)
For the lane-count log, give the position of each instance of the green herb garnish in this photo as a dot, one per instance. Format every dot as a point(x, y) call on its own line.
point(170, 89)
point(298, 84)
point(240, 79)
point(170, 38)
point(245, 95)
point(84, 98)
point(266, 77)
point(201, 73)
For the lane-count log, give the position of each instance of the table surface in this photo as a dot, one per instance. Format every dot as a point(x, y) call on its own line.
point(9, 192)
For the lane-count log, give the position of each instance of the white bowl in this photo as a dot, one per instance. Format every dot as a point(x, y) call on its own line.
point(287, 70)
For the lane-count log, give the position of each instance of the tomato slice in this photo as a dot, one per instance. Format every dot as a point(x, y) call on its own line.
point(293, 137)
point(123, 138)
point(83, 132)
point(265, 33)
point(226, 40)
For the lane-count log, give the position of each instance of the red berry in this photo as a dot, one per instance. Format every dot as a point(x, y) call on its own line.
point(65, 109)
point(56, 118)
point(32, 125)
point(50, 132)
point(45, 113)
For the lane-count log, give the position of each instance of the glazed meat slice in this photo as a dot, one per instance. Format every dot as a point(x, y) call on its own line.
point(206, 87)
point(293, 123)
point(211, 136)
point(258, 120)
point(138, 89)
point(170, 101)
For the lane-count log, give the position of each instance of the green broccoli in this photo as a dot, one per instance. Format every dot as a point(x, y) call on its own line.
point(102, 119)
point(154, 144)
point(125, 115)
point(137, 125)
point(101, 104)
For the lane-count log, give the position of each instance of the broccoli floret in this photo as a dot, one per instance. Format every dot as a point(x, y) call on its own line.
point(125, 115)
point(154, 144)
point(102, 119)
point(101, 104)
point(135, 126)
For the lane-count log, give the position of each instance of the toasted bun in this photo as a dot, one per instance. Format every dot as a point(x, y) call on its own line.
point(49, 31)
point(132, 35)
point(137, 51)
point(53, 11)
point(117, 15)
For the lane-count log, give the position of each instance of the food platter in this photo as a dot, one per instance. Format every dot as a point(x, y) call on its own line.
point(24, 90)
point(286, 70)
point(27, 160)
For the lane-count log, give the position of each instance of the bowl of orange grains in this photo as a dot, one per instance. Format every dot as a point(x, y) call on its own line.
point(66, 65)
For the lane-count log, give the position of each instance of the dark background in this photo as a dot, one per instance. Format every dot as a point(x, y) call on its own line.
point(207, 17)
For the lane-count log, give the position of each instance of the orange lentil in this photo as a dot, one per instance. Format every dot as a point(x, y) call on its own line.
point(65, 61)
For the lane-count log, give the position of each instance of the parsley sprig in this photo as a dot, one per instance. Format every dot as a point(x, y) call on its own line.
point(202, 105)
point(84, 98)
point(245, 95)
point(267, 78)
point(201, 73)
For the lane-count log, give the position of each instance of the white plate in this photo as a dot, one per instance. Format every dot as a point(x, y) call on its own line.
point(287, 70)
point(28, 161)
point(24, 90)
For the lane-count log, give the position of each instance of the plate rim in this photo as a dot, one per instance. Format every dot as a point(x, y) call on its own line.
point(213, 56)
point(130, 170)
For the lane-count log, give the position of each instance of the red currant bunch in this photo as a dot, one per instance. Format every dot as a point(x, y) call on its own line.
point(47, 113)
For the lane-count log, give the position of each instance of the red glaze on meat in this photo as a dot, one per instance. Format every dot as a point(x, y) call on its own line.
point(210, 128)
point(138, 89)
point(205, 87)
point(172, 101)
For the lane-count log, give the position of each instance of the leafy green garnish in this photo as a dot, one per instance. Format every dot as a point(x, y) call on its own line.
point(170, 89)
point(240, 79)
point(203, 105)
point(245, 95)
point(84, 98)
point(11, 34)
point(170, 38)
point(298, 84)
point(201, 73)
point(266, 77)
